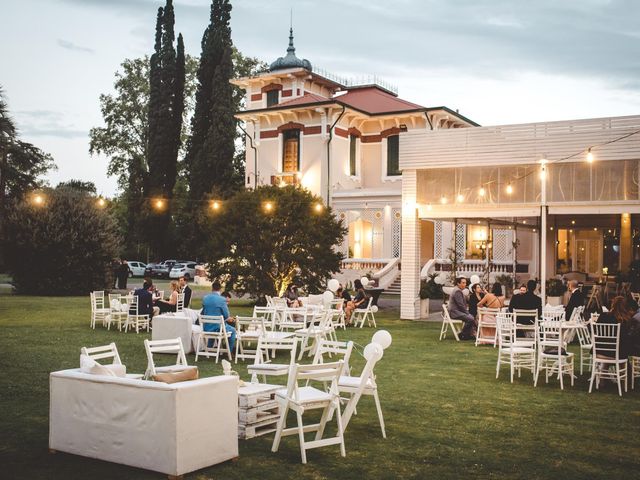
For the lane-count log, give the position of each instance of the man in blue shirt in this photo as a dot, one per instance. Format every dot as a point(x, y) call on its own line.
point(216, 304)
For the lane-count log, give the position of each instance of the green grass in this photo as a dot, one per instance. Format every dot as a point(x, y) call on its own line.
point(447, 416)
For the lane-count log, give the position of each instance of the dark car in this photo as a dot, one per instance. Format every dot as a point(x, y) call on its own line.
point(163, 269)
point(150, 270)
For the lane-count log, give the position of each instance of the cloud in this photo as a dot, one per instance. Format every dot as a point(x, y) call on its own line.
point(72, 46)
point(46, 123)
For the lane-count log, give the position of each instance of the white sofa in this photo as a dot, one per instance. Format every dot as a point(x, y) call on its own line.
point(169, 428)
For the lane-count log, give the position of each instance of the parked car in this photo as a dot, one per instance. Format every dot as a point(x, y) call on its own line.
point(136, 268)
point(188, 269)
point(150, 271)
point(164, 268)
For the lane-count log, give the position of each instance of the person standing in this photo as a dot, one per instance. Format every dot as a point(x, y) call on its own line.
point(576, 299)
point(458, 310)
point(184, 288)
point(123, 274)
point(215, 304)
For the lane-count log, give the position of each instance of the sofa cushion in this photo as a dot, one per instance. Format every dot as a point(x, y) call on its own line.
point(174, 377)
point(89, 365)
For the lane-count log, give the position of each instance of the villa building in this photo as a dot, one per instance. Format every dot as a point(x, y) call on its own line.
point(420, 188)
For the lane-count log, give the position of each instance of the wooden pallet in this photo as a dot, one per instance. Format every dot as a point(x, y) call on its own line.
point(252, 415)
point(245, 432)
point(258, 411)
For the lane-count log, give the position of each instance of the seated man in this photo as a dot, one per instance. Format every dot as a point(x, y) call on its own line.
point(458, 310)
point(145, 301)
point(216, 304)
point(184, 288)
point(576, 299)
point(527, 301)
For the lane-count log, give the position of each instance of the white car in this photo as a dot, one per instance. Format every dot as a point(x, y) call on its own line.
point(136, 269)
point(188, 269)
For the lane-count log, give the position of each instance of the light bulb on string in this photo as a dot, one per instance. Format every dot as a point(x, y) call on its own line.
point(482, 192)
point(429, 207)
point(268, 207)
point(460, 198)
point(589, 155)
point(215, 205)
point(318, 207)
point(101, 202)
point(509, 189)
point(443, 200)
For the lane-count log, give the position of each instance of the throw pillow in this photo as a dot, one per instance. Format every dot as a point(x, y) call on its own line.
point(174, 377)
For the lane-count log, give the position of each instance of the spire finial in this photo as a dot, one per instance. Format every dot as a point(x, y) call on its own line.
point(291, 49)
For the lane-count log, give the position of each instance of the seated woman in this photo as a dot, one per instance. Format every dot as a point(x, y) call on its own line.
point(474, 298)
point(171, 304)
point(291, 295)
point(358, 301)
point(493, 299)
point(629, 328)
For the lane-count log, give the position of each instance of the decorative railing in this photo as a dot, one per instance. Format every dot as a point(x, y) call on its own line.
point(368, 264)
point(388, 273)
point(472, 267)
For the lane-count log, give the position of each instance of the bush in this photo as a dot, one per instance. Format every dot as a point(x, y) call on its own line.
point(430, 289)
point(64, 246)
point(555, 287)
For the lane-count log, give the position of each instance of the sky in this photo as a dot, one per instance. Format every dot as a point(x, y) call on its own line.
point(496, 61)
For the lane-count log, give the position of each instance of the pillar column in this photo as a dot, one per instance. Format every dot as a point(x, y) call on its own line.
point(625, 242)
point(410, 267)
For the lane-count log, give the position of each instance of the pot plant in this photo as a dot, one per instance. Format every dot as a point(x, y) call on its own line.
point(555, 291)
point(430, 289)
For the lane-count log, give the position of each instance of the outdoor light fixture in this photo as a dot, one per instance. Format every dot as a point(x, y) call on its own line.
point(318, 207)
point(482, 192)
point(429, 207)
point(158, 204)
point(589, 156)
point(101, 202)
point(268, 207)
point(573, 222)
point(215, 205)
point(443, 199)
point(460, 198)
point(509, 189)
point(38, 200)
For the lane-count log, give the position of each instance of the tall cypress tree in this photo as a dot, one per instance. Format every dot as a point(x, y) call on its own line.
point(166, 104)
point(209, 159)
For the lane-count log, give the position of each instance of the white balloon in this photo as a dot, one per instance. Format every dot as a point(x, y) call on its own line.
point(373, 351)
point(365, 281)
point(438, 279)
point(374, 308)
point(327, 296)
point(475, 279)
point(333, 284)
point(382, 338)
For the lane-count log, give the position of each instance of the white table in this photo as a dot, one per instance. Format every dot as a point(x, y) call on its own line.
point(168, 326)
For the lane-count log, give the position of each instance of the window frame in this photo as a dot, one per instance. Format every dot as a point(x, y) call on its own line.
point(269, 95)
point(285, 134)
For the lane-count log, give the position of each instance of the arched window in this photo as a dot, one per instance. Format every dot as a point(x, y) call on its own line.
point(291, 151)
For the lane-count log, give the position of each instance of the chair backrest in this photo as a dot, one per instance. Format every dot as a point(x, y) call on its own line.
point(577, 313)
point(549, 333)
point(268, 313)
point(606, 339)
point(160, 294)
point(102, 352)
point(505, 324)
point(445, 312)
point(173, 345)
point(369, 302)
point(323, 372)
point(250, 324)
point(266, 344)
point(553, 315)
point(133, 305)
point(213, 320)
point(337, 304)
point(525, 316)
point(330, 348)
point(584, 335)
point(180, 303)
point(372, 354)
point(97, 299)
point(484, 311)
point(279, 302)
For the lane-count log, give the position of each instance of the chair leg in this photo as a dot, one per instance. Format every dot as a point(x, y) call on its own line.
point(618, 380)
point(282, 422)
point(343, 451)
point(593, 374)
point(303, 452)
point(380, 417)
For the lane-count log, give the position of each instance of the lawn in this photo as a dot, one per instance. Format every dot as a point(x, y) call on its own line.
point(446, 414)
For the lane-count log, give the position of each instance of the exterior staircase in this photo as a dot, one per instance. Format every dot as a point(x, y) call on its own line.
point(394, 288)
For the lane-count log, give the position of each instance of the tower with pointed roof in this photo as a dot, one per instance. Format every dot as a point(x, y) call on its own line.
point(290, 60)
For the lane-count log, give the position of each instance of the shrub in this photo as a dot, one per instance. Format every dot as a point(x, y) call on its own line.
point(430, 289)
point(64, 246)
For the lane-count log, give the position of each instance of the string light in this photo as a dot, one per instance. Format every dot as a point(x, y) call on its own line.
point(215, 205)
point(443, 200)
point(268, 207)
point(482, 192)
point(159, 204)
point(318, 207)
point(38, 200)
point(429, 207)
point(573, 222)
point(460, 198)
point(509, 189)
point(589, 156)
point(101, 202)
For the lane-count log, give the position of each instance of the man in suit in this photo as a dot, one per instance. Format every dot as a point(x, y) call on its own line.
point(216, 304)
point(145, 300)
point(527, 301)
point(184, 288)
point(458, 310)
point(576, 300)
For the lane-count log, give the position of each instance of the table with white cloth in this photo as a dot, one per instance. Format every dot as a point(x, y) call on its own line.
point(171, 325)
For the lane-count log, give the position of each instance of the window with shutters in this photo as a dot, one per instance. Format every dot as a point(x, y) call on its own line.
point(272, 98)
point(393, 155)
point(353, 142)
point(291, 151)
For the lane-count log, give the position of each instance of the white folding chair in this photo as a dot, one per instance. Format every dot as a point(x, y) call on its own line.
point(635, 370)
point(487, 321)
point(448, 322)
point(269, 315)
point(337, 305)
point(361, 314)
point(525, 321)
point(586, 345)
point(209, 342)
point(313, 332)
point(552, 355)
point(248, 332)
point(365, 384)
point(263, 365)
point(108, 352)
point(302, 399)
point(180, 303)
point(606, 356)
point(135, 320)
point(99, 312)
point(335, 351)
point(118, 311)
point(516, 354)
point(173, 345)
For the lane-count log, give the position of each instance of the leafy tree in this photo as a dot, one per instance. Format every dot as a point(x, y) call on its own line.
point(260, 251)
point(78, 185)
point(64, 246)
point(209, 160)
point(166, 105)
